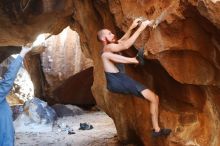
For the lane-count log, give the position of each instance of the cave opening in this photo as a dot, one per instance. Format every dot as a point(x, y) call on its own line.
point(51, 97)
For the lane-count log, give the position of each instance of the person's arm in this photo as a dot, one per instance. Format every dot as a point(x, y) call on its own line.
point(8, 78)
point(119, 58)
point(123, 45)
point(128, 33)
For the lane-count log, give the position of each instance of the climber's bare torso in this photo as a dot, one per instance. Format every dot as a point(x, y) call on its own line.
point(111, 56)
point(108, 64)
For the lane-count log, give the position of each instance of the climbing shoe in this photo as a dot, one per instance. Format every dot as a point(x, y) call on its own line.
point(162, 132)
point(85, 126)
point(140, 56)
point(71, 132)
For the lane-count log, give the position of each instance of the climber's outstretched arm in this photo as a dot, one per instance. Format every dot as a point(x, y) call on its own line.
point(127, 43)
point(129, 31)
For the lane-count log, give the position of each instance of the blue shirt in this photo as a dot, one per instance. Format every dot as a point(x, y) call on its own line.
point(6, 122)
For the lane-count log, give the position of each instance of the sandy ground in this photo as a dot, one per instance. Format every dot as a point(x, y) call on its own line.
point(103, 133)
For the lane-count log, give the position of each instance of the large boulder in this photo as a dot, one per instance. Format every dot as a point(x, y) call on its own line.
point(76, 89)
point(63, 58)
point(67, 110)
point(37, 116)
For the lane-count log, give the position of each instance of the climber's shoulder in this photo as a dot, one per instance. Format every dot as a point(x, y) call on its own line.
point(113, 47)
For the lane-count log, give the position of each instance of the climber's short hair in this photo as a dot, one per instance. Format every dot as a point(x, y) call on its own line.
point(100, 35)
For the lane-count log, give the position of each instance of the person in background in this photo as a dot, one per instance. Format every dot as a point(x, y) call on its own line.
point(6, 83)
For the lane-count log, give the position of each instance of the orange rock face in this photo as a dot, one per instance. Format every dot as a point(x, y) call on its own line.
point(183, 63)
point(182, 68)
point(24, 20)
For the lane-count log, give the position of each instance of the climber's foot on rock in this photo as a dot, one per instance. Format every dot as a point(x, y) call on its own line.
point(162, 132)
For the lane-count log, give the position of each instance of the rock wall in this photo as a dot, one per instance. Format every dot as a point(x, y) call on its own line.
point(76, 89)
point(182, 56)
point(23, 20)
point(63, 58)
point(65, 70)
point(182, 68)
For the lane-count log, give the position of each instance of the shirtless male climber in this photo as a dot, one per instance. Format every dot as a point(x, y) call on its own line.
point(6, 83)
point(117, 80)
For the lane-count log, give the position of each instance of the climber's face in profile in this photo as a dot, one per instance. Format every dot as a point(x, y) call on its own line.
point(107, 36)
point(110, 37)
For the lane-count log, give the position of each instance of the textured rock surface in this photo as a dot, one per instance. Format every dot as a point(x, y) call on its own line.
point(25, 19)
point(63, 58)
point(209, 9)
point(76, 89)
point(183, 70)
point(67, 110)
point(183, 55)
point(37, 116)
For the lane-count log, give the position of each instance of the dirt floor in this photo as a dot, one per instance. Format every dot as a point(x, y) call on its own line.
point(103, 133)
